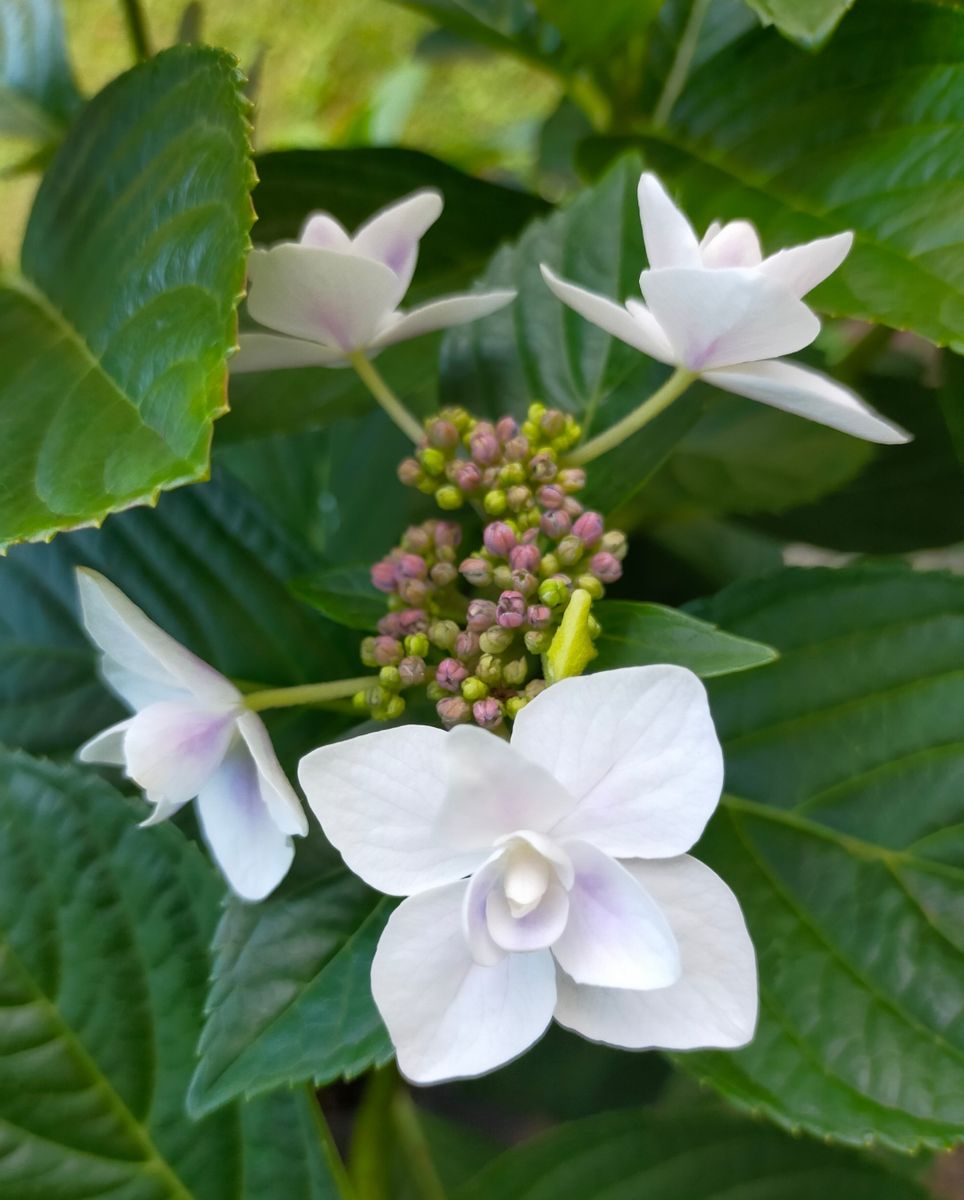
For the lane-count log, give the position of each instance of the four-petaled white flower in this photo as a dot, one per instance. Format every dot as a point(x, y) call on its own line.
point(331, 295)
point(546, 877)
point(721, 310)
point(191, 736)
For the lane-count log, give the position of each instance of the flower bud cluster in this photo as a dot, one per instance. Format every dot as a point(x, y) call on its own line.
point(472, 630)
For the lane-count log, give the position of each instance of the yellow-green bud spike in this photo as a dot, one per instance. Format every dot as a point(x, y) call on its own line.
point(571, 649)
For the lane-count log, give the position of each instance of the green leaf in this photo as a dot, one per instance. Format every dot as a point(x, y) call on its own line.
point(672, 1156)
point(344, 595)
point(595, 35)
point(38, 95)
point(843, 840)
point(209, 564)
point(114, 339)
point(290, 999)
point(806, 146)
point(809, 23)
point(635, 634)
point(512, 26)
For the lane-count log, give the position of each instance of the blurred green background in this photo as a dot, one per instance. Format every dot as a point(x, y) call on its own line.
point(329, 72)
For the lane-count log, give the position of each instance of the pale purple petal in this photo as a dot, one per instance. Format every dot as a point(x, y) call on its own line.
point(378, 799)
point(493, 791)
point(727, 316)
point(475, 924)
point(802, 267)
point(638, 749)
point(171, 749)
point(633, 324)
point(275, 351)
point(616, 935)
point(140, 658)
point(448, 1017)
point(392, 235)
point(107, 746)
point(735, 245)
point(714, 1001)
point(320, 295)
point(669, 237)
point(537, 929)
point(326, 232)
point(252, 852)
point(278, 794)
point(808, 394)
point(439, 314)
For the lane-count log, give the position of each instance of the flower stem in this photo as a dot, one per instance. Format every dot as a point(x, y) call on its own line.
point(662, 398)
point(386, 397)
point(328, 1148)
point(411, 1140)
point(685, 49)
point(137, 29)
point(306, 693)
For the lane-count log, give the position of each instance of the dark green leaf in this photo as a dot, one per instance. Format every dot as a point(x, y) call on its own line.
point(291, 999)
point(115, 339)
point(344, 595)
point(808, 23)
point(622, 1156)
point(635, 634)
point(951, 397)
point(38, 95)
point(512, 26)
point(843, 840)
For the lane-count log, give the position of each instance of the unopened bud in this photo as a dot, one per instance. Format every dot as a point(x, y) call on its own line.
point(554, 591)
point(487, 713)
point(476, 571)
point(605, 566)
point(525, 557)
point(589, 528)
point(553, 423)
point(449, 497)
point(496, 640)
point(516, 449)
point(512, 474)
point(549, 566)
point(537, 641)
point(538, 616)
point(615, 543)
point(443, 434)
point(551, 496)
point(499, 538)
point(450, 673)
point(432, 460)
point(434, 693)
point(518, 497)
point(489, 670)
point(411, 671)
point(465, 475)
point(590, 584)
point(511, 610)
point(411, 566)
point(409, 472)
point(386, 651)
point(467, 644)
point(383, 575)
point(480, 615)
point(542, 467)
point(570, 550)
point(502, 576)
point(447, 533)
point(390, 678)
point(417, 644)
point(555, 523)
point(412, 620)
point(414, 591)
point(534, 687)
point(474, 689)
point(495, 502)
point(571, 479)
point(442, 574)
point(453, 710)
point(506, 428)
point(514, 673)
point(393, 709)
point(524, 582)
point(443, 634)
point(514, 705)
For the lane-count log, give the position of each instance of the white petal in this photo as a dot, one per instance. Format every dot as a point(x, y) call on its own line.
point(378, 799)
point(275, 351)
point(493, 791)
point(537, 929)
point(439, 314)
point(392, 236)
point(808, 394)
point(252, 852)
point(633, 324)
point(637, 747)
point(616, 935)
point(730, 315)
point(802, 267)
point(325, 231)
point(163, 810)
point(735, 245)
point(669, 237)
point(280, 797)
point(171, 749)
point(713, 1003)
point(449, 1017)
point(106, 746)
point(475, 924)
point(712, 230)
point(320, 295)
point(138, 650)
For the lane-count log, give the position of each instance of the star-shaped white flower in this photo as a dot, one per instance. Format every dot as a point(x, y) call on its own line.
point(330, 295)
point(718, 308)
point(546, 877)
point(191, 736)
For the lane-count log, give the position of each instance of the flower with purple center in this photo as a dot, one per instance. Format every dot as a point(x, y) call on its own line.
point(547, 876)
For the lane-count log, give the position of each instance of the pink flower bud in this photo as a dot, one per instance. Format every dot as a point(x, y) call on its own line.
point(476, 571)
point(572, 506)
point(484, 445)
point(556, 523)
point(551, 496)
point(416, 539)
point(605, 566)
point(511, 610)
point(481, 614)
point(467, 644)
point(411, 670)
point(412, 620)
point(414, 591)
point(524, 582)
point(589, 528)
point(391, 625)
point(450, 673)
point(498, 538)
point(442, 574)
point(465, 475)
point(447, 533)
point(572, 479)
point(525, 557)
point(443, 434)
point(518, 497)
point(538, 616)
point(453, 710)
point(542, 467)
point(487, 712)
point(506, 428)
point(409, 472)
point(516, 449)
point(387, 651)
point(411, 566)
point(383, 575)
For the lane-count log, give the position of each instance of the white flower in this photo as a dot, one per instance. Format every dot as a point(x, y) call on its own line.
point(191, 736)
point(546, 877)
point(331, 295)
point(718, 308)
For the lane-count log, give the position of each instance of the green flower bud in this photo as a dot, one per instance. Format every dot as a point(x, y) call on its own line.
point(494, 502)
point(537, 641)
point(449, 497)
point(514, 673)
point(554, 592)
point(549, 565)
point(435, 692)
point(394, 708)
point(474, 689)
point(441, 634)
point(514, 706)
point(368, 652)
point(570, 550)
point(359, 703)
point(590, 584)
point(417, 644)
point(512, 474)
point(502, 576)
point(496, 640)
point(427, 486)
point(536, 411)
point(489, 670)
point(432, 460)
point(390, 679)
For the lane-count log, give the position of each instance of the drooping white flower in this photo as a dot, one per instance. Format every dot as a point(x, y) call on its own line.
point(546, 877)
point(718, 308)
point(191, 737)
point(331, 294)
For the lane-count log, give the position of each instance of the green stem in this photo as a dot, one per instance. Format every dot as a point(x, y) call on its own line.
point(386, 397)
point(412, 1141)
point(674, 387)
point(306, 693)
point(676, 79)
point(329, 1150)
point(137, 29)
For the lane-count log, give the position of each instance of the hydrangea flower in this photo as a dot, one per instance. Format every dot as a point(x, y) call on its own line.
point(717, 308)
point(191, 737)
point(546, 876)
point(331, 295)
